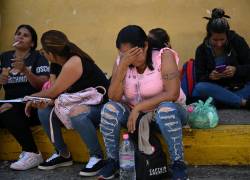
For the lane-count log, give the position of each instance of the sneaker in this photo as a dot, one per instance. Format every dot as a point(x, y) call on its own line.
point(179, 171)
point(27, 160)
point(93, 167)
point(56, 161)
point(110, 170)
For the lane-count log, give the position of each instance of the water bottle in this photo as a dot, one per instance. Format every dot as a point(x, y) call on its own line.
point(127, 159)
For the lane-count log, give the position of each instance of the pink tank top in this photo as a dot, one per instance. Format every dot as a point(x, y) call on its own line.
point(139, 87)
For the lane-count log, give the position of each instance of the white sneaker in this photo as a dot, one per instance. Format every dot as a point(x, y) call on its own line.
point(27, 160)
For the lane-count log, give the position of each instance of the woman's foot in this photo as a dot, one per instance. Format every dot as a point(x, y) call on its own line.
point(93, 167)
point(27, 160)
point(110, 170)
point(55, 161)
point(179, 170)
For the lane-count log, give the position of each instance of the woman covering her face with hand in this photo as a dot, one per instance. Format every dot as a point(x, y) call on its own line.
point(143, 80)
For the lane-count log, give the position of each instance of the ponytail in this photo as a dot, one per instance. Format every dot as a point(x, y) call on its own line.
point(57, 43)
point(75, 50)
point(217, 22)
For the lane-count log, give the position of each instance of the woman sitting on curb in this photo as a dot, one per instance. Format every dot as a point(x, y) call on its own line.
point(222, 64)
point(23, 72)
point(78, 72)
point(143, 80)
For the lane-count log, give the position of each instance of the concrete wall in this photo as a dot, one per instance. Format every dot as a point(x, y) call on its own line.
point(94, 24)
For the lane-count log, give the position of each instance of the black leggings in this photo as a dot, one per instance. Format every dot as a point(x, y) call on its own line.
point(19, 124)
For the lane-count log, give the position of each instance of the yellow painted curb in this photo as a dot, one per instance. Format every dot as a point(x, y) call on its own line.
point(224, 145)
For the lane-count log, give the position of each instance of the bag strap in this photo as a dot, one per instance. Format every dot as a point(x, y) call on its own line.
point(102, 88)
point(52, 137)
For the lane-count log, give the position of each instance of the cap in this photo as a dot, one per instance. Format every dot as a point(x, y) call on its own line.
point(125, 136)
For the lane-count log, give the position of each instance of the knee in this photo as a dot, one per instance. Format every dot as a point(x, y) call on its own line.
point(44, 114)
point(201, 86)
point(113, 106)
point(77, 115)
point(166, 107)
point(165, 111)
point(110, 113)
point(77, 110)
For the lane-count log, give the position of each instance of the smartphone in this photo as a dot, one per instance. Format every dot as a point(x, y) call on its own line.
point(220, 68)
point(37, 99)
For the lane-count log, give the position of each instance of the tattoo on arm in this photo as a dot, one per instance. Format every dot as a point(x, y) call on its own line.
point(170, 76)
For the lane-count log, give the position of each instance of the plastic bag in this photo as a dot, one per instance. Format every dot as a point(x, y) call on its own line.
point(202, 115)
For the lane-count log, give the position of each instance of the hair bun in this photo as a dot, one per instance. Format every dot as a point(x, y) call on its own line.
point(218, 13)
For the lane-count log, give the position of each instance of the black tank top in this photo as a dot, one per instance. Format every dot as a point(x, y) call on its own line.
point(92, 76)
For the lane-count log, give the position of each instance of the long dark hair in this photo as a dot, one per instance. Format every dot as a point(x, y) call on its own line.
point(158, 38)
point(217, 22)
point(136, 36)
point(57, 43)
point(32, 32)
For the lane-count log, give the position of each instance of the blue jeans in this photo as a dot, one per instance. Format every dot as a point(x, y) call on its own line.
point(221, 94)
point(169, 118)
point(85, 124)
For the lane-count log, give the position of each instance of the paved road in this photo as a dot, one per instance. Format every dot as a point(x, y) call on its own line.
point(70, 173)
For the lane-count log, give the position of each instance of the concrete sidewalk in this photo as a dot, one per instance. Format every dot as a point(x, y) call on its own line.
point(70, 173)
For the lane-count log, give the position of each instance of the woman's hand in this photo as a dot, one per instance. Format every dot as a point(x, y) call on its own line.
point(215, 75)
point(130, 56)
point(4, 75)
point(5, 107)
point(36, 104)
point(3, 79)
point(229, 71)
point(131, 124)
point(18, 64)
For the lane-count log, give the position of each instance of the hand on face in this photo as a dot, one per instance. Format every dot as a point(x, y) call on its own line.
point(130, 55)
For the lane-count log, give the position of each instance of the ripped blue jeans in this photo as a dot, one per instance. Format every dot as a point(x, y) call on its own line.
point(85, 124)
point(169, 118)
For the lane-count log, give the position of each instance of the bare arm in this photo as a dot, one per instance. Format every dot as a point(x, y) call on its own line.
point(115, 91)
point(171, 82)
point(35, 80)
point(71, 72)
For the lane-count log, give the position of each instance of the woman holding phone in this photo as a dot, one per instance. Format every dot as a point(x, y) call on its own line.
point(76, 71)
point(222, 63)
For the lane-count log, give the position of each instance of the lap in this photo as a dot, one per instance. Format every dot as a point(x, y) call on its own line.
point(17, 114)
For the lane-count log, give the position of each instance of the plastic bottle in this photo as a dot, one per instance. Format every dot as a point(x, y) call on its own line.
point(127, 159)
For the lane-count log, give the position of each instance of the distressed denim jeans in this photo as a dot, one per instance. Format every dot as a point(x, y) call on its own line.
point(169, 118)
point(85, 124)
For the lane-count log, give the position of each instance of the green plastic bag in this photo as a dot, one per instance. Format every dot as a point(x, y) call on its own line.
point(202, 115)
